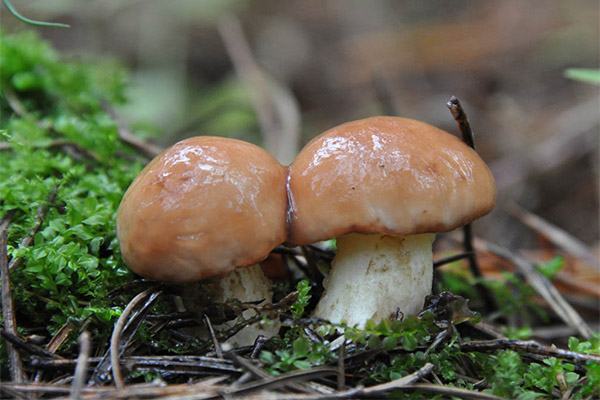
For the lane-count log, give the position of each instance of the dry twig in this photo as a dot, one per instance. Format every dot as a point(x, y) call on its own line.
point(214, 339)
point(147, 391)
point(39, 220)
point(341, 377)
point(276, 108)
point(31, 348)
point(149, 149)
point(8, 314)
point(450, 259)
point(468, 137)
point(528, 346)
point(81, 368)
point(6, 220)
point(183, 364)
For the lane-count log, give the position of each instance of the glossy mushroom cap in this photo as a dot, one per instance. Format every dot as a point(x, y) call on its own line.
point(386, 175)
point(202, 208)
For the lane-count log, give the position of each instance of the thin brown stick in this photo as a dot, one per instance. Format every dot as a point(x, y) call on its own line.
point(187, 364)
point(81, 368)
point(213, 337)
point(241, 362)
point(556, 235)
point(542, 285)
point(116, 337)
point(438, 339)
point(125, 135)
point(8, 313)
point(21, 343)
point(6, 220)
point(208, 388)
point(39, 220)
point(458, 112)
point(450, 259)
point(528, 346)
point(468, 137)
point(277, 110)
point(341, 376)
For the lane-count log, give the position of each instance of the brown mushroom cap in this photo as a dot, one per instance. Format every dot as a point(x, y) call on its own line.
point(385, 175)
point(202, 208)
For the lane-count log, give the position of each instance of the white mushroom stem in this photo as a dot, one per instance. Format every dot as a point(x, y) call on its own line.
point(377, 276)
point(247, 284)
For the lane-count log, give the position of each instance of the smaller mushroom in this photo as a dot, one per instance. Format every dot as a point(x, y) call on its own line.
point(383, 186)
point(202, 209)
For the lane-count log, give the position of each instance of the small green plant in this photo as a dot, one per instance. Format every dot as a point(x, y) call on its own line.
point(287, 360)
point(303, 288)
point(550, 268)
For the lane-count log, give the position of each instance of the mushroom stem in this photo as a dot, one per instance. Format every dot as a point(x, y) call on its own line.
point(246, 285)
point(377, 276)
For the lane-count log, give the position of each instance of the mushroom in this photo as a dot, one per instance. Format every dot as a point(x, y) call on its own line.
point(382, 186)
point(201, 209)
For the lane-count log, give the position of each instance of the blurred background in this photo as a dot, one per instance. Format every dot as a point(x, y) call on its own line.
point(279, 73)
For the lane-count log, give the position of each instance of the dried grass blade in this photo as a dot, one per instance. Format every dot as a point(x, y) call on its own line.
point(542, 285)
point(453, 391)
point(282, 380)
point(399, 383)
point(115, 346)
point(60, 337)
point(556, 235)
point(259, 373)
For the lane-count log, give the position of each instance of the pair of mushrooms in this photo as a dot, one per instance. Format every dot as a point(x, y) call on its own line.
point(382, 186)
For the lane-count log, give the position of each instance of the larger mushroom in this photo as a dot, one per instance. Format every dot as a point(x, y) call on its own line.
point(203, 208)
point(383, 186)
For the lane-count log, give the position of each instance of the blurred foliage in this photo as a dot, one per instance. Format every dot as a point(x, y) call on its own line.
point(62, 154)
point(584, 75)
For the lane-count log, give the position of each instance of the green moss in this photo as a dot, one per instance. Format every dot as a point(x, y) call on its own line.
point(62, 153)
